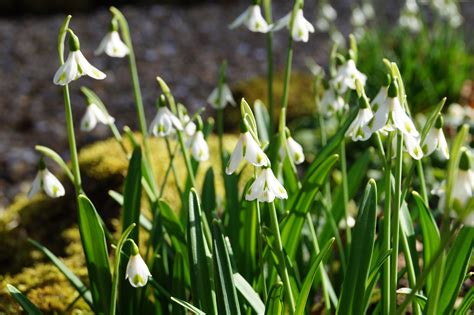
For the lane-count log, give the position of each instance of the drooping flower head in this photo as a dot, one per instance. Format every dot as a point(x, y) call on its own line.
point(111, 44)
point(346, 77)
point(266, 187)
point(410, 17)
point(137, 271)
point(189, 125)
point(294, 149)
point(246, 148)
point(435, 140)
point(75, 65)
point(47, 182)
point(94, 114)
point(301, 26)
point(252, 18)
point(358, 130)
point(165, 122)
point(198, 145)
point(225, 98)
point(331, 103)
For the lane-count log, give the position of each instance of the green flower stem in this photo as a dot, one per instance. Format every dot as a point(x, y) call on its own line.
point(260, 251)
point(396, 223)
point(220, 113)
point(171, 166)
point(386, 228)
point(421, 177)
point(447, 235)
point(135, 80)
point(410, 269)
point(281, 256)
point(267, 5)
point(345, 191)
point(322, 271)
point(118, 137)
point(72, 141)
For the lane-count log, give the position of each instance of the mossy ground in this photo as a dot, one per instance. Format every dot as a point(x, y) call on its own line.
point(52, 222)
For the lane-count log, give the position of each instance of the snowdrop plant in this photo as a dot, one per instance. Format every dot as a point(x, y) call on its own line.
point(297, 24)
point(93, 115)
point(260, 239)
point(435, 140)
point(252, 18)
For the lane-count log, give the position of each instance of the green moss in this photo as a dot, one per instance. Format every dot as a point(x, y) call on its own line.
point(300, 97)
point(52, 222)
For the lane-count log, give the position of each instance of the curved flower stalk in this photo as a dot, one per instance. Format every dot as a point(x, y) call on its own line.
point(346, 76)
point(462, 192)
point(252, 18)
point(47, 182)
point(246, 148)
point(294, 149)
point(137, 271)
point(435, 140)
point(226, 97)
point(301, 26)
point(111, 44)
point(266, 187)
point(94, 114)
point(75, 65)
point(358, 130)
point(165, 122)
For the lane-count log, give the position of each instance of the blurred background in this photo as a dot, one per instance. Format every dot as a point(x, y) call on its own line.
point(184, 41)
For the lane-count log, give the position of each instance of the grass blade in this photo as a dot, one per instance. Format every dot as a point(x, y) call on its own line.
point(70, 276)
point(202, 286)
point(308, 282)
point(227, 300)
point(275, 300)
point(354, 285)
point(28, 307)
point(96, 254)
point(208, 196)
point(193, 309)
point(249, 293)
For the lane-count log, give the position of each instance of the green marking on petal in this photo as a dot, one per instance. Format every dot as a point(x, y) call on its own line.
point(55, 189)
point(79, 69)
point(408, 127)
point(360, 133)
point(376, 107)
point(138, 280)
point(259, 158)
point(62, 77)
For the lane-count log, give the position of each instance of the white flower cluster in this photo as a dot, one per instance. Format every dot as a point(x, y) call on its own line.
point(410, 17)
point(448, 10)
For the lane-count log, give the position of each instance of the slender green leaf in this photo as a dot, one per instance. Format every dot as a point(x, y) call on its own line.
point(430, 234)
point(466, 303)
point(95, 250)
point(457, 264)
point(275, 300)
point(419, 298)
point(28, 307)
point(308, 282)
point(202, 286)
point(117, 276)
point(193, 309)
point(362, 246)
point(227, 300)
point(70, 276)
point(249, 293)
point(208, 196)
point(178, 285)
point(262, 119)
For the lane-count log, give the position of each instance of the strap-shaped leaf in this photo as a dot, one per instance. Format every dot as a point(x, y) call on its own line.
point(202, 286)
point(262, 119)
point(275, 300)
point(308, 281)
point(95, 250)
point(362, 246)
point(249, 293)
point(187, 306)
point(227, 300)
point(28, 307)
point(70, 276)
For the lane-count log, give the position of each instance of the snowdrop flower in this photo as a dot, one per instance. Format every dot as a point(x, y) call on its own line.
point(111, 44)
point(358, 17)
point(225, 98)
point(331, 103)
point(326, 16)
point(199, 147)
point(368, 10)
point(294, 148)
point(165, 122)
point(412, 146)
point(189, 126)
point(358, 130)
point(93, 115)
point(266, 187)
point(455, 115)
point(301, 26)
point(409, 17)
point(246, 148)
point(391, 115)
point(435, 140)
point(462, 191)
point(253, 19)
point(346, 76)
point(75, 65)
point(137, 271)
point(47, 181)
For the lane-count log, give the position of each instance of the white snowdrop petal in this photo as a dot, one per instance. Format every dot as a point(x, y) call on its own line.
point(412, 145)
point(86, 68)
point(89, 120)
point(137, 271)
point(296, 150)
point(114, 46)
point(253, 153)
point(199, 149)
point(35, 186)
point(51, 185)
point(236, 156)
point(281, 23)
point(255, 21)
point(240, 19)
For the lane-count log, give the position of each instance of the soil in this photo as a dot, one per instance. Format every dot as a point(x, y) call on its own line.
point(184, 45)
